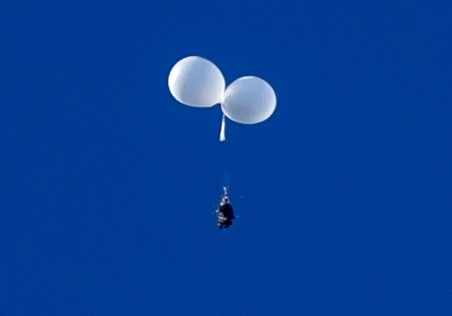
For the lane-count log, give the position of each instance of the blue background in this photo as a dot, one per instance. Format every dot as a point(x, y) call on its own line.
point(108, 186)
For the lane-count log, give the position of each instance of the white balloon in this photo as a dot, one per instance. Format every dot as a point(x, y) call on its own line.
point(249, 100)
point(196, 81)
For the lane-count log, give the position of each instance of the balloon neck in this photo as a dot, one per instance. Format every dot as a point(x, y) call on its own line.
point(223, 129)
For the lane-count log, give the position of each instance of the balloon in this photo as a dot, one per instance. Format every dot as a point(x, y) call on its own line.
point(249, 100)
point(196, 81)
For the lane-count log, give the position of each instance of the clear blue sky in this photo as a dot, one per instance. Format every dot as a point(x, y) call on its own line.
point(108, 186)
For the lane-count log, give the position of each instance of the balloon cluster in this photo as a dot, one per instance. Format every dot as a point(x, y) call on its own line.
point(197, 82)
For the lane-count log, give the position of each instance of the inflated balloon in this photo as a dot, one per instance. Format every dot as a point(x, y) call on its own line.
point(196, 81)
point(249, 100)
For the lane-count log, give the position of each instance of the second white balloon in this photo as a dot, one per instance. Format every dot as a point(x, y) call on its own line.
point(249, 100)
